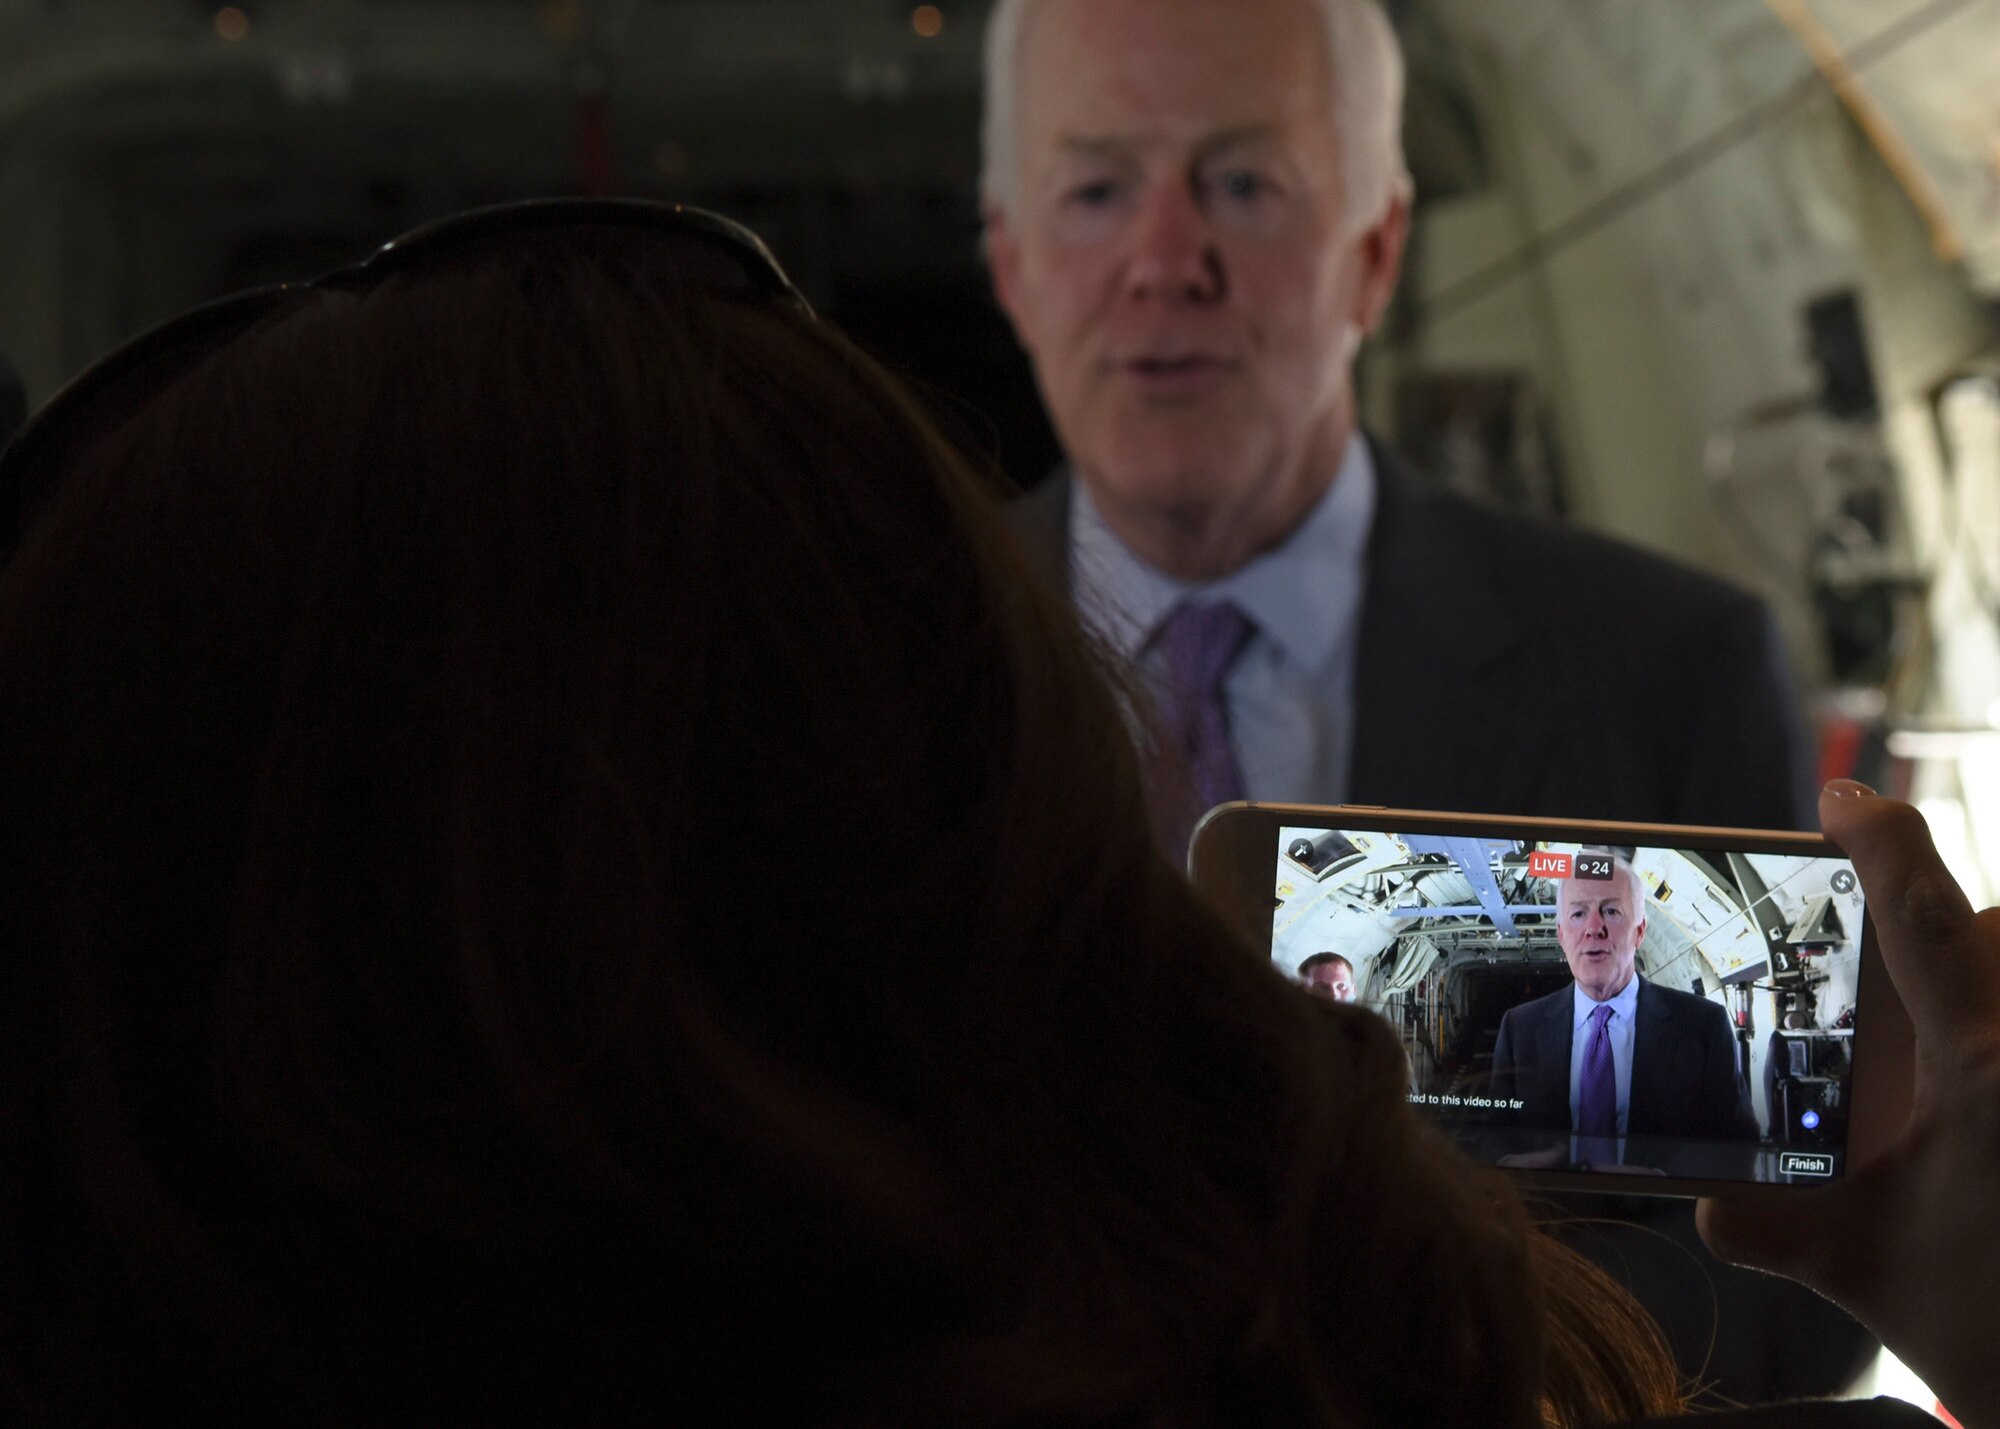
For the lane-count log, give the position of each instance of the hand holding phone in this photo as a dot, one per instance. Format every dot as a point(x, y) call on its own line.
point(1909, 1243)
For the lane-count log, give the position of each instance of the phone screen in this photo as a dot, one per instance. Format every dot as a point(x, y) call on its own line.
point(1602, 1009)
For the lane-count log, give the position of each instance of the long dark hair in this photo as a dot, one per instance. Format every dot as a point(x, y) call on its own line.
point(561, 864)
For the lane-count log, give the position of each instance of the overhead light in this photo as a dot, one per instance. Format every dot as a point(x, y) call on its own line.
point(231, 23)
point(927, 21)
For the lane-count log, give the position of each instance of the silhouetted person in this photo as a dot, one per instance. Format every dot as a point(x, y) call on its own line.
point(405, 1016)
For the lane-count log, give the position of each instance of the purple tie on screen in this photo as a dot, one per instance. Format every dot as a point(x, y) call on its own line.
point(1199, 643)
point(1597, 1097)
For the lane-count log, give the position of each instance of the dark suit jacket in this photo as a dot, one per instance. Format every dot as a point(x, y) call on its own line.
point(1684, 1079)
point(1470, 619)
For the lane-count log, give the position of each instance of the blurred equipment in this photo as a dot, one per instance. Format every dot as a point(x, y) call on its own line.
point(1325, 855)
point(1839, 350)
point(1807, 1064)
point(1828, 504)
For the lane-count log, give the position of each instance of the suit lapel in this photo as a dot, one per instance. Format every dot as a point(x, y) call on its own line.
point(1552, 1049)
point(1652, 1052)
point(1429, 732)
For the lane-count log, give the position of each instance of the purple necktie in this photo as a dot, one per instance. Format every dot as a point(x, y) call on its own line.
point(1597, 1094)
point(1199, 642)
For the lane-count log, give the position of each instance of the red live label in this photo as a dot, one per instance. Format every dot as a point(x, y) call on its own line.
point(1544, 864)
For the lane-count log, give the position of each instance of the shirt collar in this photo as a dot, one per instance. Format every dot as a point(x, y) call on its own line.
point(1625, 1004)
point(1304, 594)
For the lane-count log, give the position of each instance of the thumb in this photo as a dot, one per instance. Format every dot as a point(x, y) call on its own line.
point(1828, 1238)
point(1755, 1232)
point(1929, 938)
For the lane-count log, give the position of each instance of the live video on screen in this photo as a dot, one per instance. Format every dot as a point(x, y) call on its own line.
point(1594, 1008)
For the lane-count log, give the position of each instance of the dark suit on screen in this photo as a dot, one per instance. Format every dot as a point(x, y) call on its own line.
point(1684, 1076)
point(1466, 613)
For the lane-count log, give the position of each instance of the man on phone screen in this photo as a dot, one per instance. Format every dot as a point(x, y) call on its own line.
point(1613, 1055)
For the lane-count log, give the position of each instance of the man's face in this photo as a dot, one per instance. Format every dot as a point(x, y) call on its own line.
point(1332, 980)
point(1600, 926)
point(1179, 263)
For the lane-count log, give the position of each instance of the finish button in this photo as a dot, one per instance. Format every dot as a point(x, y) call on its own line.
point(1804, 1163)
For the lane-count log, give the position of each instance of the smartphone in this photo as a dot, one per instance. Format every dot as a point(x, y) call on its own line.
point(1752, 1037)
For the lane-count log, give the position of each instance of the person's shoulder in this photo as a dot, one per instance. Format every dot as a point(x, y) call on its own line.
point(1527, 552)
point(1808, 1414)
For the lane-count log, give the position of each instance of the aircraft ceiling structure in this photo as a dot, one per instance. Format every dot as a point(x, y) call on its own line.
point(770, 91)
point(1939, 100)
point(1690, 132)
point(730, 93)
point(735, 93)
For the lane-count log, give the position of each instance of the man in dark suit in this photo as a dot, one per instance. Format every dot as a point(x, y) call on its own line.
point(1465, 616)
point(1193, 215)
point(1614, 1056)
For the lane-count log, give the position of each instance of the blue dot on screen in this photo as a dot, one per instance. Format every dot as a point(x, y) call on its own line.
point(1809, 1120)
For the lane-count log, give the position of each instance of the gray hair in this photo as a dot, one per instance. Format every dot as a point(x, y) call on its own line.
point(1365, 75)
point(1620, 864)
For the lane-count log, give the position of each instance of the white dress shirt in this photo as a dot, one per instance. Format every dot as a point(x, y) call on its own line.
point(1290, 695)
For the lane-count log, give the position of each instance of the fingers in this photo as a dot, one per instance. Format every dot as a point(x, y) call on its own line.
point(1827, 1239)
point(1894, 1240)
point(1944, 961)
